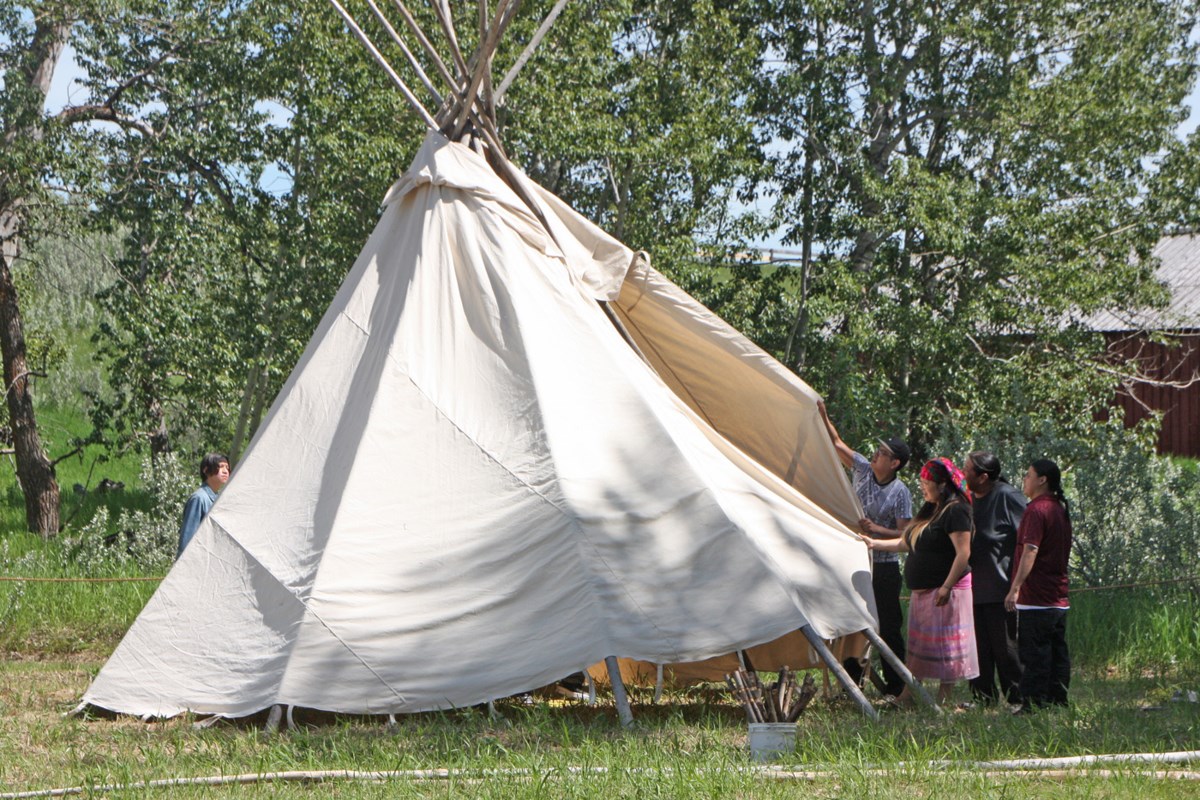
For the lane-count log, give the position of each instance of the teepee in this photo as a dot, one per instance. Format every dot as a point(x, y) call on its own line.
point(511, 450)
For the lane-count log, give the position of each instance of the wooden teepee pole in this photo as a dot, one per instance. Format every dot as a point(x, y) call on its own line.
point(396, 79)
point(901, 669)
point(529, 48)
point(483, 61)
point(452, 102)
point(835, 667)
point(427, 45)
point(620, 697)
point(488, 108)
point(441, 10)
point(412, 60)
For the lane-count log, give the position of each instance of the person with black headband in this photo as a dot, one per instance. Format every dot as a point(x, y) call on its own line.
point(997, 510)
point(887, 509)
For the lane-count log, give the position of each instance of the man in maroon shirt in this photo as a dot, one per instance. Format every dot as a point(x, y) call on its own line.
point(1039, 588)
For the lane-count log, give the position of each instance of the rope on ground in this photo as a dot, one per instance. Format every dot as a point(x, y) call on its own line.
point(1135, 585)
point(19, 579)
point(1031, 768)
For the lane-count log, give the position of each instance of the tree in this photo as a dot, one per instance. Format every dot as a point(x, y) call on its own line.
point(127, 47)
point(655, 160)
point(968, 181)
point(243, 222)
point(637, 114)
point(29, 54)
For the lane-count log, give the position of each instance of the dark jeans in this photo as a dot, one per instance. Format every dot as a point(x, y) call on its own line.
point(1042, 642)
point(886, 583)
point(996, 641)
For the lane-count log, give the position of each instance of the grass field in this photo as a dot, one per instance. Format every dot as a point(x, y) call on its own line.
point(690, 745)
point(1136, 653)
point(60, 428)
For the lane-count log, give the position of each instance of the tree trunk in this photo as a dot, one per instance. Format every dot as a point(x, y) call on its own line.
point(796, 353)
point(34, 470)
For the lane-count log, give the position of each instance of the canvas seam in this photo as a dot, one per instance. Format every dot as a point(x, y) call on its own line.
point(569, 513)
point(308, 610)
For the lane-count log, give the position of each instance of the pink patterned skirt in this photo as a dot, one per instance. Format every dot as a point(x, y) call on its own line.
point(941, 639)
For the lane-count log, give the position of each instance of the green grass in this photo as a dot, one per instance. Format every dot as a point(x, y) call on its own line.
point(1130, 631)
point(60, 428)
point(62, 618)
point(691, 745)
point(1133, 650)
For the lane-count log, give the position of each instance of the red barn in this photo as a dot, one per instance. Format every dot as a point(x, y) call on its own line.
point(1173, 365)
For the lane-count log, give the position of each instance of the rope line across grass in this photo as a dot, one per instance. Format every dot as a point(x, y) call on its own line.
point(18, 579)
point(1067, 767)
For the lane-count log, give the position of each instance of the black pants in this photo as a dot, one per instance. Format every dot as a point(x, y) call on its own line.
point(996, 642)
point(886, 583)
point(1042, 642)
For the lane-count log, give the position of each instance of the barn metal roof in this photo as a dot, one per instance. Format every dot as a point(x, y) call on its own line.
point(1179, 269)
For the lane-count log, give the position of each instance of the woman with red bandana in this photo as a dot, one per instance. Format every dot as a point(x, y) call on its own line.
point(941, 626)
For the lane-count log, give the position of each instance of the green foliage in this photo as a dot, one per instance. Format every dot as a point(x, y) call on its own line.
point(142, 539)
point(132, 535)
point(242, 216)
point(638, 115)
point(81, 467)
point(58, 281)
point(971, 182)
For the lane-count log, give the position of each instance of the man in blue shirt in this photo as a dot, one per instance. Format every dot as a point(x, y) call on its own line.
point(214, 472)
point(887, 510)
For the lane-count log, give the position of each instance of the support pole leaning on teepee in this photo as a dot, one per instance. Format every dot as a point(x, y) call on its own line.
point(836, 668)
point(886, 653)
point(624, 712)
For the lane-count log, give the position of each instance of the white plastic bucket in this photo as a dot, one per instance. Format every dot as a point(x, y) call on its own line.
point(769, 739)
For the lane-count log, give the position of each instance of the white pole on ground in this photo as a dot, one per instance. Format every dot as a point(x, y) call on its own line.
point(273, 718)
point(624, 712)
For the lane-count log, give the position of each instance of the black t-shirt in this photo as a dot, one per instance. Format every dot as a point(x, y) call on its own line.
point(930, 561)
point(997, 515)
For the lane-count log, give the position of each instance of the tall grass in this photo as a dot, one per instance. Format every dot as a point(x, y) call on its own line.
point(55, 617)
point(1136, 630)
point(125, 532)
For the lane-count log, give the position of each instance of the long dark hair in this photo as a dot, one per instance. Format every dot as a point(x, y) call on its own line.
point(986, 463)
point(949, 493)
point(1045, 468)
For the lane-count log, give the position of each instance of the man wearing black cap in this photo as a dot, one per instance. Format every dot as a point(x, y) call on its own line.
point(887, 509)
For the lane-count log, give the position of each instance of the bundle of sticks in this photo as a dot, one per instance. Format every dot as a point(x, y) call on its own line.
point(781, 701)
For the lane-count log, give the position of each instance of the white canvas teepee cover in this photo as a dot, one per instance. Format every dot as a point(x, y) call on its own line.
point(470, 486)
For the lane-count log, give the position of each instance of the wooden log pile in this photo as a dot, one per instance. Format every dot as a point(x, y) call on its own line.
point(784, 700)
